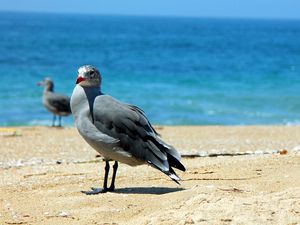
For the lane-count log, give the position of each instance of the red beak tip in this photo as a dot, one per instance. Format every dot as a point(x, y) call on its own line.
point(79, 79)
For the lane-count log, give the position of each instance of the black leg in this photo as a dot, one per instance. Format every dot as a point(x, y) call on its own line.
point(59, 117)
point(106, 175)
point(95, 191)
point(53, 120)
point(112, 186)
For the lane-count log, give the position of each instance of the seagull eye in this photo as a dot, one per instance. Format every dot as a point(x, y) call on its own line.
point(92, 74)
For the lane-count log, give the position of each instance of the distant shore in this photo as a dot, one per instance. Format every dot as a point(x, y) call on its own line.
point(44, 169)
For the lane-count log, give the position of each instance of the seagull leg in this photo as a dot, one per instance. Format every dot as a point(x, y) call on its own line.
point(53, 120)
point(112, 186)
point(59, 117)
point(106, 176)
point(96, 191)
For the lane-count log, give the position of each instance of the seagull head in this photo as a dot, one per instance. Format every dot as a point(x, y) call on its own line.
point(48, 83)
point(88, 76)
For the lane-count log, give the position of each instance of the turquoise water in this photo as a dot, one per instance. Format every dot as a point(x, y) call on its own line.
point(179, 70)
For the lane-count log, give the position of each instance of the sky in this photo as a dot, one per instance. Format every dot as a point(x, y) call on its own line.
point(281, 9)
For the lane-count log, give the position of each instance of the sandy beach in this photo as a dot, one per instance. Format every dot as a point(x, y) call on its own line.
point(43, 171)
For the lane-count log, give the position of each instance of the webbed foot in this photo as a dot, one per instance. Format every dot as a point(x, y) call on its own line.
point(94, 191)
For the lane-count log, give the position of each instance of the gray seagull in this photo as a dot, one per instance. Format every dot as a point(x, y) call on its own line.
point(118, 131)
point(55, 103)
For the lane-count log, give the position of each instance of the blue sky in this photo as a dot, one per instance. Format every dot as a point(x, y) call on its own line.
point(284, 9)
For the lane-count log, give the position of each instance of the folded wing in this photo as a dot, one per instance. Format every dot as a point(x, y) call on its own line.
point(130, 125)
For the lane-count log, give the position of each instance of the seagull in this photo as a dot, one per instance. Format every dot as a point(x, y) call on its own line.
point(120, 132)
point(55, 103)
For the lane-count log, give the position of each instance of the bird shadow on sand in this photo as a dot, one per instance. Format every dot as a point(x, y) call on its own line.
point(147, 190)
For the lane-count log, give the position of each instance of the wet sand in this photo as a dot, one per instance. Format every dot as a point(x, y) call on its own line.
point(43, 171)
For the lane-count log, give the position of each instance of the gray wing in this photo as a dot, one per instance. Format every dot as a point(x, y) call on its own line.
point(140, 111)
point(60, 102)
point(129, 124)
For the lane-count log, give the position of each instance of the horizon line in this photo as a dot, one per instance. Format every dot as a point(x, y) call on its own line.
point(152, 15)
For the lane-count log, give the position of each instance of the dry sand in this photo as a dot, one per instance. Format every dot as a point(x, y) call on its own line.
point(43, 171)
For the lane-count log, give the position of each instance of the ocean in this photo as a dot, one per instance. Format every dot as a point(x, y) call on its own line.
point(181, 71)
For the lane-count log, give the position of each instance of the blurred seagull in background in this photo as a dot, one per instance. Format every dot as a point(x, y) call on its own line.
point(55, 103)
point(118, 131)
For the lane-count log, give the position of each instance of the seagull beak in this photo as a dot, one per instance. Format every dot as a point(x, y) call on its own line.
point(79, 79)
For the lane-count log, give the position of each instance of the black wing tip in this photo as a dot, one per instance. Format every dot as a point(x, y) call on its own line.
point(173, 162)
point(181, 167)
point(174, 177)
point(170, 173)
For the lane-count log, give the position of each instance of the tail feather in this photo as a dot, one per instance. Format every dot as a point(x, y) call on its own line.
point(164, 157)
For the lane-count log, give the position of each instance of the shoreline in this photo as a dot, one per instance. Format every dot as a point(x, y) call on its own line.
point(199, 141)
point(43, 171)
